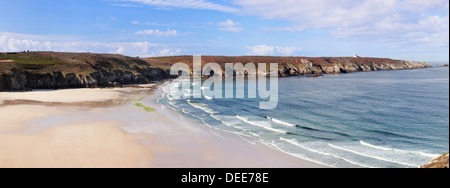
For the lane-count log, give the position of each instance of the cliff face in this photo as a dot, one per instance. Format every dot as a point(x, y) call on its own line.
point(295, 66)
point(69, 70)
point(51, 70)
point(346, 65)
point(24, 80)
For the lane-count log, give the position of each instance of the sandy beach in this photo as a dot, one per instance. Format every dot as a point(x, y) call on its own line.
point(86, 128)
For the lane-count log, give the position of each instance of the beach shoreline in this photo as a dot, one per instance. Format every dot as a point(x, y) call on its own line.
point(83, 128)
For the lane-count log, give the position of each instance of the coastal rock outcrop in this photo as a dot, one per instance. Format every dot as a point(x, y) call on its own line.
point(346, 65)
point(440, 162)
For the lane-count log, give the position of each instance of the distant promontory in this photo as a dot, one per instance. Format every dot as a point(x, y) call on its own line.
point(298, 66)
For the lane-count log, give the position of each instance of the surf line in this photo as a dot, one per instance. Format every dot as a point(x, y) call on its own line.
point(234, 76)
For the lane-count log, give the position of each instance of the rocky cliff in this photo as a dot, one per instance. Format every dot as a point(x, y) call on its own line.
point(50, 70)
point(440, 162)
point(310, 66)
point(346, 65)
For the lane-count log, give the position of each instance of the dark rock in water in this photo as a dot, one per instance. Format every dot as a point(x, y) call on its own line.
point(445, 65)
point(440, 162)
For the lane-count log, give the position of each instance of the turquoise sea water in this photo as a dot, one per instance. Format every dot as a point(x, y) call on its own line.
point(369, 119)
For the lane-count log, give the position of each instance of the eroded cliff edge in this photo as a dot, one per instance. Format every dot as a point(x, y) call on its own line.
point(53, 70)
point(309, 66)
point(50, 70)
point(347, 65)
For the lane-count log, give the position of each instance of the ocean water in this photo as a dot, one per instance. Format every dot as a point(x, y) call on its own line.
point(385, 119)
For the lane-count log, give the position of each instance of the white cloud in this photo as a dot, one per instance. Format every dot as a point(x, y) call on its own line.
point(135, 22)
point(158, 33)
point(261, 50)
point(230, 26)
point(228, 23)
point(190, 4)
point(382, 20)
point(287, 50)
point(169, 52)
point(266, 50)
point(432, 31)
point(11, 42)
point(421, 5)
point(337, 13)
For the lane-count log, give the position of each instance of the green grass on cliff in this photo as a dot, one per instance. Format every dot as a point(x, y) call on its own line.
point(30, 59)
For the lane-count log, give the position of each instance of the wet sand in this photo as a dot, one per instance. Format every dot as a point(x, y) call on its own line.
point(85, 128)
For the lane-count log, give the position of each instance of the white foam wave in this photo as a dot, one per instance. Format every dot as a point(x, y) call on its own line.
point(259, 125)
point(297, 155)
point(160, 98)
point(281, 122)
point(373, 146)
point(238, 134)
point(428, 155)
point(254, 134)
point(202, 106)
point(171, 103)
point(371, 156)
point(167, 107)
point(293, 142)
point(398, 150)
point(244, 137)
point(184, 111)
point(227, 123)
point(203, 120)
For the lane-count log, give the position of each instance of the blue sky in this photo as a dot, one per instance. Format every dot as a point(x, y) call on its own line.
point(399, 29)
